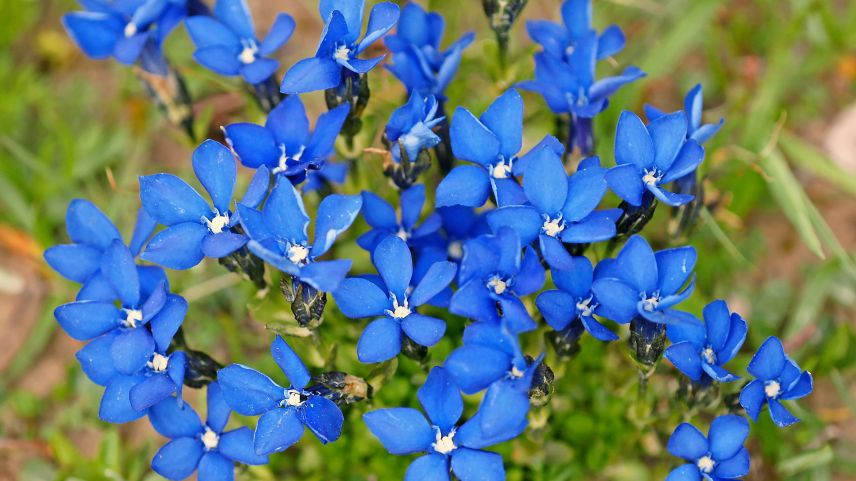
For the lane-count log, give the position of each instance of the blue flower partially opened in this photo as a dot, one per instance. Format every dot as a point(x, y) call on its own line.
point(228, 45)
point(338, 51)
point(410, 126)
point(778, 378)
point(382, 219)
point(719, 456)
point(207, 449)
point(394, 297)
point(284, 411)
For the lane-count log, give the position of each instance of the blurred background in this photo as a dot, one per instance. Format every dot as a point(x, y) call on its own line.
point(776, 240)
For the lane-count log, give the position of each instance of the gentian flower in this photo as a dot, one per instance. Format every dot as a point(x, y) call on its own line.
point(493, 274)
point(693, 107)
point(699, 351)
point(228, 45)
point(285, 145)
point(446, 446)
point(651, 157)
point(561, 40)
point(410, 126)
point(279, 234)
point(380, 216)
point(560, 208)
point(195, 229)
point(91, 233)
point(417, 60)
point(337, 52)
point(284, 411)
point(720, 456)
point(778, 378)
point(492, 142)
point(126, 338)
point(204, 448)
point(574, 302)
point(491, 358)
point(393, 297)
point(639, 282)
point(126, 31)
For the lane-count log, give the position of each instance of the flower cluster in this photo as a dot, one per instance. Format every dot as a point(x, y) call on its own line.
point(500, 228)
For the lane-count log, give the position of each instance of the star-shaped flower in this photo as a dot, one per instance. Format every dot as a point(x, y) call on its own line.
point(410, 126)
point(778, 378)
point(720, 456)
point(381, 217)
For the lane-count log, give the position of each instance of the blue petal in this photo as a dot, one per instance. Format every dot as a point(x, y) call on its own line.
point(546, 183)
point(685, 357)
point(585, 191)
point(717, 321)
point(727, 435)
point(238, 446)
point(470, 434)
point(248, 391)
point(617, 299)
point(84, 320)
point(323, 417)
point(669, 198)
point(380, 341)
point(438, 277)
point(472, 140)
point(326, 275)
point(686, 472)
point(576, 14)
point(424, 330)
point(382, 18)
point(222, 244)
point(215, 168)
point(289, 124)
point(253, 144)
point(598, 330)
point(780, 415)
point(327, 129)
point(687, 442)
point(472, 301)
point(205, 31)
point(475, 367)
point(578, 280)
point(96, 288)
point(503, 408)
point(356, 297)
point(687, 160)
point(736, 337)
point(477, 465)
point(75, 262)
point(132, 349)
point(465, 185)
point(801, 387)
point(626, 182)
point(639, 266)
point(215, 467)
point(95, 33)
point(171, 200)
point(752, 398)
point(151, 391)
point(554, 252)
point(550, 35)
point(277, 430)
point(431, 467)
point(166, 323)
point(86, 224)
point(290, 363)
point(633, 144)
point(236, 15)
point(441, 399)
point(218, 409)
point(525, 220)
point(504, 117)
point(284, 213)
point(377, 212)
point(178, 247)
point(95, 359)
point(734, 468)
point(548, 142)
point(557, 307)
point(400, 430)
point(394, 264)
point(143, 229)
point(350, 11)
point(178, 458)
point(220, 59)
point(507, 192)
point(173, 420)
point(311, 74)
point(335, 214)
point(258, 188)
point(769, 362)
point(279, 33)
point(610, 42)
point(115, 403)
point(117, 265)
point(530, 278)
point(668, 133)
point(411, 203)
point(595, 228)
point(674, 267)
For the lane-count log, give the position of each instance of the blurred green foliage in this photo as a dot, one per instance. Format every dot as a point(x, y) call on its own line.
point(777, 70)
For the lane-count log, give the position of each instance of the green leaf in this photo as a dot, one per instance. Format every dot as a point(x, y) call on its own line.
point(805, 461)
point(808, 157)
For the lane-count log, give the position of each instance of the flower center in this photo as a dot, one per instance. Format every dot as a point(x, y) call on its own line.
point(218, 223)
point(650, 303)
point(132, 318)
point(709, 355)
point(158, 363)
point(455, 250)
point(552, 227)
point(497, 285)
point(210, 439)
point(293, 398)
point(402, 234)
point(298, 254)
point(444, 444)
point(652, 177)
point(399, 311)
point(516, 372)
point(706, 464)
point(772, 389)
point(284, 159)
point(342, 53)
point(130, 30)
point(585, 307)
point(502, 169)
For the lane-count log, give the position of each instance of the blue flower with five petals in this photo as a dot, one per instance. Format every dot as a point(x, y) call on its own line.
point(719, 456)
point(278, 234)
point(639, 282)
point(393, 297)
point(446, 446)
point(417, 60)
point(778, 378)
point(228, 45)
point(411, 127)
point(380, 216)
point(337, 52)
point(284, 411)
point(285, 144)
point(207, 449)
point(562, 40)
point(195, 229)
point(699, 351)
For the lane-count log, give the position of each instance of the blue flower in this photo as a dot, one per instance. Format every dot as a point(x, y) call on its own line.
point(693, 107)
point(284, 411)
point(719, 456)
point(380, 216)
point(228, 45)
point(405, 431)
point(492, 142)
point(491, 358)
point(778, 378)
point(574, 302)
point(204, 448)
point(417, 60)
point(651, 157)
point(394, 297)
point(411, 126)
point(196, 229)
point(561, 41)
point(492, 275)
point(91, 233)
point(279, 234)
point(127, 31)
point(639, 282)
point(700, 351)
point(337, 52)
point(459, 224)
point(285, 144)
point(559, 208)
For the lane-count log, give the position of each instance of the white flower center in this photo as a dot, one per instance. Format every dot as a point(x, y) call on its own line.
point(402, 234)
point(132, 317)
point(706, 464)
point(130, 30)
point(709, 355)
point(284, 159)
point(455, 250)
point(342, 53)
point(502, 170)
point(585, 307)
point(552, 227)
point(497, 285)
point(293, 397)
point(158, 363)
point(651, 177)
point(516, 372)
point(218, 223)
point(399, 311)
point(247, 55)
point(297, 253)
point(210, 439)
point(650, 304)
point(444, 444)
point(772, 389)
